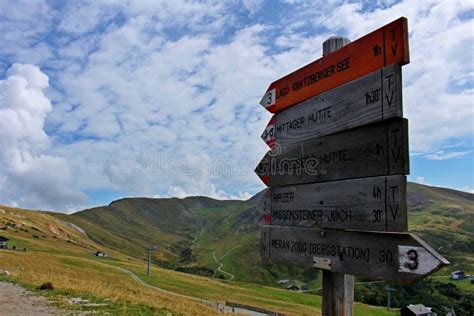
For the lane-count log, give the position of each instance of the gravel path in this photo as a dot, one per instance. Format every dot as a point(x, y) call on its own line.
point(14, 300)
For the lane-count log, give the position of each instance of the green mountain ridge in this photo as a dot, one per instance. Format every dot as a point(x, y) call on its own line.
point(191, 231)
point(133, 224)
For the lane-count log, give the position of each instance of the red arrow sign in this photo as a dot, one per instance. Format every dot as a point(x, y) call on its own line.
point(385, 46)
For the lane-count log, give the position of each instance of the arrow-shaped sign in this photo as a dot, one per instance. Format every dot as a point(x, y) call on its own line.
point(385, 46)
point(375, 204)
point(369, 99)
point(373, 150)
point(401, 257)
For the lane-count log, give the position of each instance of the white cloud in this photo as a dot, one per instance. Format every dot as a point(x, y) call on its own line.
point(209, 190)
point(421, 180)
point(35, 79)
point(82, 17)
point(241, 196)
point(22, 23)
point(138, 108)
point(441, 46)
point(252, 5)
point(442, 155)
point(136, 82)
point(29, 177)
point(468, 189)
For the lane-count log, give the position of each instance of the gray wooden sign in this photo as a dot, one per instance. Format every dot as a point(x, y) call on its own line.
point(376, 204)
point(373, 150)
point(401, 257)
point(372, 98)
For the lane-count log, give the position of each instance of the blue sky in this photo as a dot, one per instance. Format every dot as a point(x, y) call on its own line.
point(106, 99)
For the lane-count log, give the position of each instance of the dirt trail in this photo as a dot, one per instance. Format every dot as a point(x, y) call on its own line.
point(220, 307)
point(14, 300)
point(219, 268)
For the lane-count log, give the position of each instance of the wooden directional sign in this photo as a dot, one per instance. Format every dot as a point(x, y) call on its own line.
point(385, 46)
point(336, 171)
point(372, 98)
point(374, 150)
point(401, 257)
point(376, 204)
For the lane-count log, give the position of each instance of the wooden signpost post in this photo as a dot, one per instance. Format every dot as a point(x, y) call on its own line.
point(337, 169)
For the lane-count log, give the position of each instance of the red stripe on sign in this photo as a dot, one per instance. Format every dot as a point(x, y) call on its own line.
point(267, 218)
point(265, 179)
point(268, 134)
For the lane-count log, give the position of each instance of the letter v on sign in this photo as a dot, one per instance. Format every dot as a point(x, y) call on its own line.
point(385, 46)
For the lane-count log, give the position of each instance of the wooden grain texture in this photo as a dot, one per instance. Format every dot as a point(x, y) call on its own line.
point(400, 257)
point(369, 99)
point(385, 46)
point(338, 294)
point(373, 150)
point(377, 204)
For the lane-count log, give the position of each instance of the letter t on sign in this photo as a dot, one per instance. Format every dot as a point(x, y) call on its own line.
point(338, 288)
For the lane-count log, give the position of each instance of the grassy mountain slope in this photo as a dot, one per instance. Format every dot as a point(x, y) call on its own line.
point(207, 237)
point(58, 252)
point(445, 219)
point(131, 225)
point(189, 232)
point(197, 234)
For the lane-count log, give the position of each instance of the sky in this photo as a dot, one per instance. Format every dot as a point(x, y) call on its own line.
point(101, 100)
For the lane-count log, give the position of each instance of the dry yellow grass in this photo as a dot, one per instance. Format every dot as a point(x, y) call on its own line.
point(92, 278)
point(60, 254)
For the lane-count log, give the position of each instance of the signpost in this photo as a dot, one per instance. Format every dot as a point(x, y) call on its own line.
point(385, 46)
point(337, 169)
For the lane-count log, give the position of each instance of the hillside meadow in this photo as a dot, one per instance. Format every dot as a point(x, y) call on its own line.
point(59, 253)
point(213, 242)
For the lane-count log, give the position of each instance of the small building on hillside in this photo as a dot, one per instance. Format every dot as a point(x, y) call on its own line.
point(458, 275)
point(284, 281)
point(293, 287)
point(4, 242)
point(416, 310)
point(100, 254)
